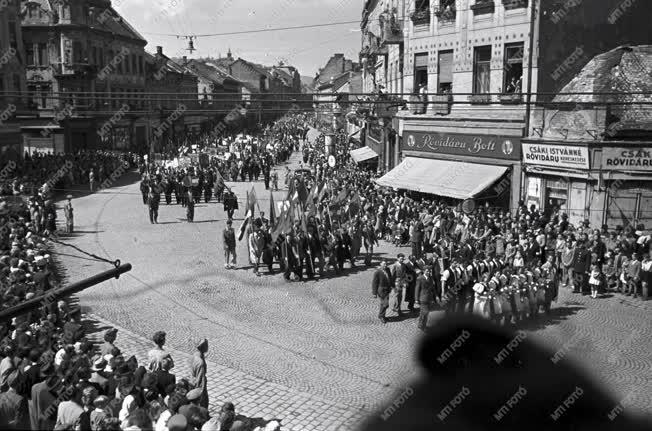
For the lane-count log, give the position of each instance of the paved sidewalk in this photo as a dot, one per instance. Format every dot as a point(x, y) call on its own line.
point(253, 397)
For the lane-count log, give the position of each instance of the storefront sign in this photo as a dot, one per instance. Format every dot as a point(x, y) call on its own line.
point(627, 159)
point(564, 156)
point(497, 147)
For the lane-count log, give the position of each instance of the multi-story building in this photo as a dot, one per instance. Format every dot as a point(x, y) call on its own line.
point(270, 88)
point(465, 64)
point(336, 68)
point(12, 80)
point(588, 150)
point(85, 73)
point(170, 89)
point(218, 92)
point(480, 76)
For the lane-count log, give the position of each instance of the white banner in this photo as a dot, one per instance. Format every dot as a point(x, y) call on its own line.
point(565, 156)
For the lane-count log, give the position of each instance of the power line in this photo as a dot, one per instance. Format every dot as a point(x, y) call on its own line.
point(262, 30)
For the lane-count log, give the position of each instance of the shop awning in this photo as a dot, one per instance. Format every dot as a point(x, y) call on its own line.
point(362, 154)
point(442, 177)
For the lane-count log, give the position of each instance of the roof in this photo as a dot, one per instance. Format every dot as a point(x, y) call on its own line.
point(256, 67)
point(112, 21)
point(209, 72)
point(623, 70)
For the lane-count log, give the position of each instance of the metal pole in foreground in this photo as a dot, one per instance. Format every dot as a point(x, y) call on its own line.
point(55, 294)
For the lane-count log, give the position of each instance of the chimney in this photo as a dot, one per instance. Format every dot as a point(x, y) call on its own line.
point(159, 50)
point(185, 60)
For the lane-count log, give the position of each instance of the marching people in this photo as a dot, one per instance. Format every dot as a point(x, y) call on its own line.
point(68, 213)
point(426, 294)
point(153, 201)
point(381, 286)
point(228, 239)
point(190, 206)
point(256, 247)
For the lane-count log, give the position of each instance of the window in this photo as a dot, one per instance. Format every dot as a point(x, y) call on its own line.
point(513, 77)
point(16, 83)
point(45, 95)
point(420, 72)
point(77, 53)
point(481, 69)
point(13, 38)
point(29, 54)
point(140, 65)
point(43, 59)
point(127, 64)
point(445, 72)
point(134, 64)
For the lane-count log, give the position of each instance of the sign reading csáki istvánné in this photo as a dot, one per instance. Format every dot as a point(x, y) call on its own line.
point(627, 159)
point(559, 156)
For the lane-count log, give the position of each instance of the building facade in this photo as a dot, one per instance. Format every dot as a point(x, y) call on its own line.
point(465, 63)
point(85, 71)
point(12, 81)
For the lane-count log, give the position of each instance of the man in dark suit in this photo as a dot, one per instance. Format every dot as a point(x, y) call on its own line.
point(425, 294)
point(581, 267)
point(14, 410)
point(163, 376)
point(41, 415)
point(532, 251)
point(381, 285)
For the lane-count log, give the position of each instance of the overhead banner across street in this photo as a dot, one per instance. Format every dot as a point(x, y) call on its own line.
point(564, 156)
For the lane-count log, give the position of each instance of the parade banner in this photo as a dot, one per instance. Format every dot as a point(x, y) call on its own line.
point(565, 156)
point(490, 146)
point(184, 162)
point(628, 159)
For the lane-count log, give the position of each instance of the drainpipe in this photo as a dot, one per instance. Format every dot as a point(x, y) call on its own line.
point(534, 14)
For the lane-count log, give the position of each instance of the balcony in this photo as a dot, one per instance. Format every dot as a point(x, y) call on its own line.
point(446, 14)
point(480, 99)
point(442, 103)
point(515, 4)
point(511, 98)
point(483, 7)
point(391, 32)
point(420, 17)
point(71, 69)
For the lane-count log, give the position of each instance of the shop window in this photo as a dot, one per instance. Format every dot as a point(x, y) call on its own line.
point(556, 195)
point(481, 69)
point(513, 68)
point(420, 72)
point(43, 58)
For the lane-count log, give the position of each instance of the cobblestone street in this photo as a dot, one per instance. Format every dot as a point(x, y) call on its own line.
point(312, 354)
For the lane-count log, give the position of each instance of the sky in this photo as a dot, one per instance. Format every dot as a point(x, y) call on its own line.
point(306, 49)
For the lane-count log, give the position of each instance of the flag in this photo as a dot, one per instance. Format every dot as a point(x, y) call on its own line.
point(355, 205)
point(284, 223)
point(251, 204)
point(272, 210)
point(322, 191)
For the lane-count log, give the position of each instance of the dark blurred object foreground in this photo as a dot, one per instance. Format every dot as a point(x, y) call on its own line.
point(483, 377)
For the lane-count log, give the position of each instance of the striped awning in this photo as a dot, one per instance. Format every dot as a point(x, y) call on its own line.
point(362, 154)
point(458, 180)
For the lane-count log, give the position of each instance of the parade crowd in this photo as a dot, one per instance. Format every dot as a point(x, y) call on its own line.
point(52, 376)
point(501, 265)
point(248, 159)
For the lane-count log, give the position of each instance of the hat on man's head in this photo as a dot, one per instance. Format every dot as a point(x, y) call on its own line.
point(177, 423)
point(194, 395)
point(99, 365)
